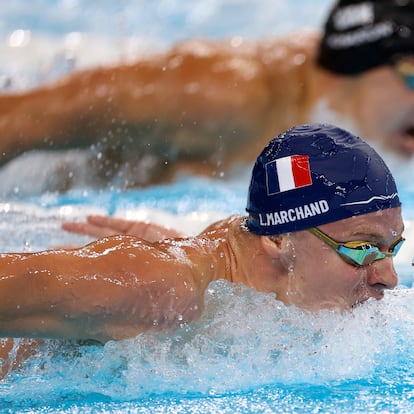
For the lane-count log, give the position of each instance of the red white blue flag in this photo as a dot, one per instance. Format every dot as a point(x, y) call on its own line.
point(288, 173)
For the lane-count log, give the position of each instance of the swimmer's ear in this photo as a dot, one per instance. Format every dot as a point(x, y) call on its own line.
point(274, 245)
point(279, 249)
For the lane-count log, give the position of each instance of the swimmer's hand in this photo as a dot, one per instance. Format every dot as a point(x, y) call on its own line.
point(103, 226)
point(14, 351)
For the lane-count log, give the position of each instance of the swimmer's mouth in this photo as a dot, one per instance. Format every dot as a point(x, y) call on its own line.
point(410, 132)
point(376, 294)
point(407, 143)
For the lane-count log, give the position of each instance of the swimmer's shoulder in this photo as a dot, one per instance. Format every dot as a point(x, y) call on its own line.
point(296, 41)
point(290, 51)
point(234, 220)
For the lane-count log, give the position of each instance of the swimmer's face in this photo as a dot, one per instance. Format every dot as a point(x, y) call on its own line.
point(319, 278)
point(383, 108)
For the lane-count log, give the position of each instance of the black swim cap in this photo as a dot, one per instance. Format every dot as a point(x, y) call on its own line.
point(361, 35)
point(316, 174)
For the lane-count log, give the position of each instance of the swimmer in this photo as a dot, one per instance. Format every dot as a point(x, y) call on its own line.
point(206, 106)
point(322, 227)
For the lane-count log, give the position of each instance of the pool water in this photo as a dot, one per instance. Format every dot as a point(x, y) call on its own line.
point(248, 353)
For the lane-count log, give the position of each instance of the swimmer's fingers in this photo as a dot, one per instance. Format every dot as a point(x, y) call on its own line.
point(103, 226)
point(89, 229)
point(143, 229)
point(117, 225)
point(14, 351)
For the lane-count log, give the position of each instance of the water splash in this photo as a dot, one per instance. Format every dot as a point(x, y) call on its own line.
point(243, 342)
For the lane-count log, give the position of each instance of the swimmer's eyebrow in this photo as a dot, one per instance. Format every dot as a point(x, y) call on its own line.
point(372, 235)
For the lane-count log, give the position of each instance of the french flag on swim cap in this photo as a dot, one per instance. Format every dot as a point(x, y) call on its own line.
point(346, 178)
point(288, 173)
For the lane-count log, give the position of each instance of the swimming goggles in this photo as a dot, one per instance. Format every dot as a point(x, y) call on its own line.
point(358, 253)
point(404, 67)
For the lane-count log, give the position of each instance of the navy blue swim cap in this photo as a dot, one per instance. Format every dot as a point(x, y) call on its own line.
point(316, 174)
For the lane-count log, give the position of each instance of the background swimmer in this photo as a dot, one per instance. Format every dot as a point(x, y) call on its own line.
point(206, 106)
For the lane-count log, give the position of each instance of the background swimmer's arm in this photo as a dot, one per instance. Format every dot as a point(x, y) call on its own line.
point(194, 87)
point(110, 289)
point(103, 226)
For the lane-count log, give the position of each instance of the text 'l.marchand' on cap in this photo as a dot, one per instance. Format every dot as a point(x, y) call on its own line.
point(316, 174)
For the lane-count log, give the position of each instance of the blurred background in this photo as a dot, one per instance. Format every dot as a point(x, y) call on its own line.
point(44, 39)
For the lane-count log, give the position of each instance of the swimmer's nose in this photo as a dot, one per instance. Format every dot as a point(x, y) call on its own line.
point(382, 275)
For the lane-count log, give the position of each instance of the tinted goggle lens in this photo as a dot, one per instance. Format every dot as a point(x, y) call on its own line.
point(408, 80)
point(363, 253)
point(405, 70)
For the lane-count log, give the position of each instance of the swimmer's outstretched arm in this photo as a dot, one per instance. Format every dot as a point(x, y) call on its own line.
point(103, 226)
point(191, 88)
point(110, 289)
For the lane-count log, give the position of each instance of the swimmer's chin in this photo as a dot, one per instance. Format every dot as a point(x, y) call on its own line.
point(344, 305)
point(341, 304)
point(329, 305)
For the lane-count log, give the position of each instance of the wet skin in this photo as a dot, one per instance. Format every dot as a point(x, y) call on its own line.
point(321, 278)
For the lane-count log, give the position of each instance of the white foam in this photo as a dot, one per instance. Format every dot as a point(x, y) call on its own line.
point(243, 341)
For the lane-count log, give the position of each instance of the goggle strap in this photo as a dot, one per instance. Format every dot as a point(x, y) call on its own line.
point(330, 242)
